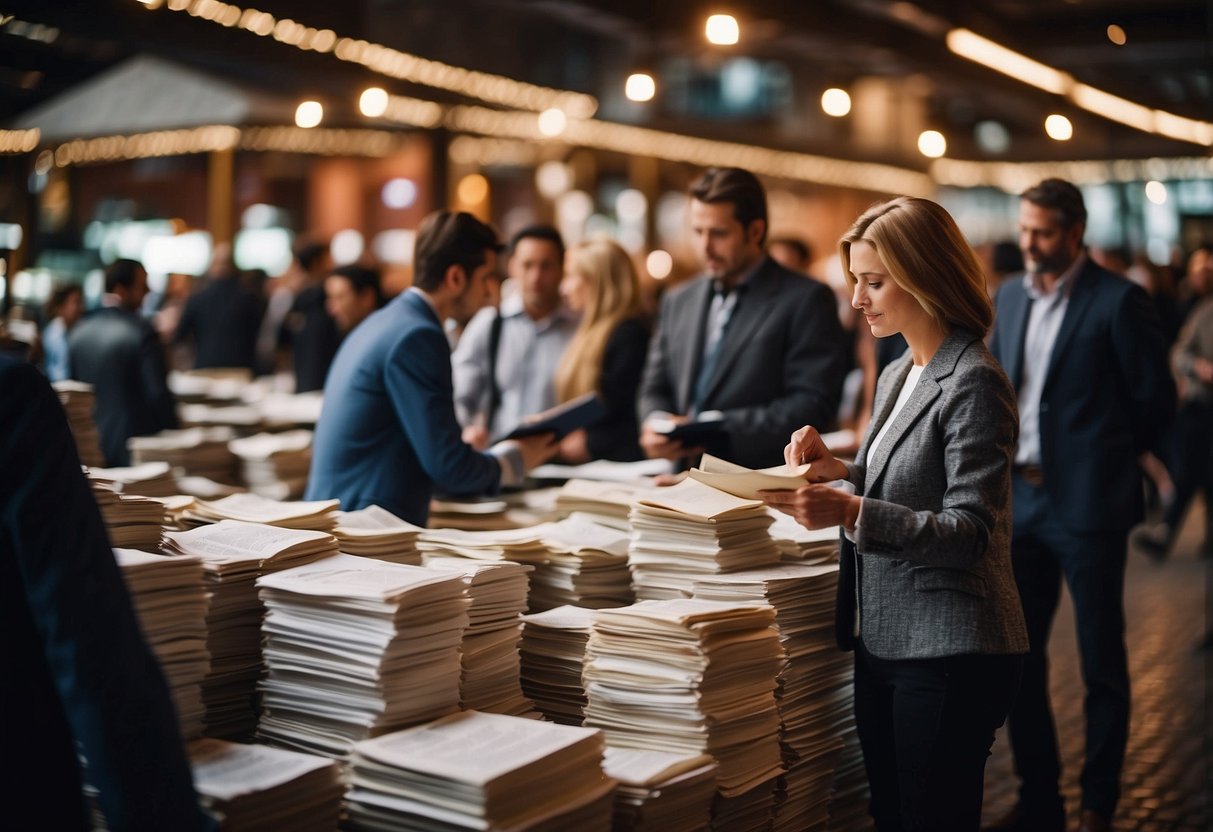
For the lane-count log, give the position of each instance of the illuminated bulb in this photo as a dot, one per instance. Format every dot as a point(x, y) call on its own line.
point(473, 189)
point(1117, 35)
point(630, 205)
point(659, 264)
point(640, 86)
point(346, 247)
point(1059, 128)
point(553, 122)
point(399, 193)
point(722, 30)
point(373, 102)
point(932, 144)
point(309, 114)
point(1156, 192)
point(835, 102)
point(553, 179)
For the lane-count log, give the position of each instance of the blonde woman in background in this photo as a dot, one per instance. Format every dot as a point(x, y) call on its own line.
point(607, 352)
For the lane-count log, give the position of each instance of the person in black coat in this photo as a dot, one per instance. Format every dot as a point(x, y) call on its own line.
point(222, 318)
point(78, 674)
point(607, 352)
point(119, 353)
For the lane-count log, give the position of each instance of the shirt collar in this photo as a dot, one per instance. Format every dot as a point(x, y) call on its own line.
point(1064, 285)
point(428, 301)
point(511, 307)
point(746, 278)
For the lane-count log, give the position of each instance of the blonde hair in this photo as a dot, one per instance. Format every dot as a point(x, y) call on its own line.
point(614, 296)
point(925, 253)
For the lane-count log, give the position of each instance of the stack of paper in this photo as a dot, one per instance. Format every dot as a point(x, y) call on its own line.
point(553, 660)
point(800, 545)
point(587, 566)
point(481, 514)
point(206, 489)
point(78, 402)
point(233, 556)
point(291, 409)
point(375, 532)
point(200, 452)
point(275, 465)
point(151, 479)
point(132, 522)
point(603, 470)
point(691, 530)
point(169, 597)
point(481, 771)
point(243, 418)
point(750, 811)
point(518, 545)
point(607, 503)
point(355, 648)
point(489, 653)
point(254, 788)
point(660, 791)
point(316, 515)
point(748, 483)
point(813, 693)
point(689, 676)
point(175, 509)
point(218, 385)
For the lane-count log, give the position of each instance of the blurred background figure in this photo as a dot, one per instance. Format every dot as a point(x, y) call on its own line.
point(607, 352)
point(351, 294)
point(222, 318)
point(118, 352)
point(792, 253)
point(307, 329)
point(64, 310)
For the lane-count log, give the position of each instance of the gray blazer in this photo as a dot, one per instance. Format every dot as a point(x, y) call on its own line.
point(932, 550)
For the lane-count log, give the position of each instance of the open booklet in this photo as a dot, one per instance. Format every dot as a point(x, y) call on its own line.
point(562, 419)
point(747, 482)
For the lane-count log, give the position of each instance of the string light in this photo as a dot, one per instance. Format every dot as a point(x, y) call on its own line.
point(19, 141)
point(1015, 178)
point(1059, 128)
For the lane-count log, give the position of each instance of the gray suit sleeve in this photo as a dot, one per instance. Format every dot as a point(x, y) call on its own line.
point(657, 383)
point(978, 425)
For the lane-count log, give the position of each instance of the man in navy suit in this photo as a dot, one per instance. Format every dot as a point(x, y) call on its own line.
point(79, 679)
point(387, 434)
point(1085, 351)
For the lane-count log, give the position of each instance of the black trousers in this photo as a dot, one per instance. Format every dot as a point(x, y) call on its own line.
point(1093, 566)
point(926, 727)
point(1192, 466)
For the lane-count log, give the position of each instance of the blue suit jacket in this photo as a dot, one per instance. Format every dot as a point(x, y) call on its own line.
point(76, 667)
point(1108, 395)
point(388, 434)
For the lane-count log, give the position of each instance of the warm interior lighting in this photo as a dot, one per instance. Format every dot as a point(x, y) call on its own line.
point(722, 30)
point(553, 122)
point(1059, 128)
point(309, 114)
point(836, 102)
point(997, 57)
point(373, 102)
point(640, 86)
point(1117, 35)
point(472, 189)
point(932, 144)
point(1156, 192)
point(659, 264)
point(1113, 107)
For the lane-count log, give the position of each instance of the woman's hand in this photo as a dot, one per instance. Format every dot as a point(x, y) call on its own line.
point(816, 506)
point(807, 446)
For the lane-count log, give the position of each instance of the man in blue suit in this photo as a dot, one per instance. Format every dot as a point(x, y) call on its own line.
point(1085, 351)
point(388, 434)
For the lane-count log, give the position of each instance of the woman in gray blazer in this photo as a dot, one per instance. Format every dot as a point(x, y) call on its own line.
point(926, 595)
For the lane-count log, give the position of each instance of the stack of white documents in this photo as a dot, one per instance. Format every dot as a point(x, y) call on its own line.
point(132, 522)
point(169, 596)
point(356, 648)
point(660, 791)
point(518, 545)
point(375, 532)
point(491, 668)
point(78, 401)
point(151, 479)
point(314, 515)
point(275, 465)
point(800, 545)
point(479, 771)
point(690, 676)
point(553, 660)
point(234, 555)
point(587, 566)
point(199, 452)
point(607, 503)
point(692, 530)
point(254, 788)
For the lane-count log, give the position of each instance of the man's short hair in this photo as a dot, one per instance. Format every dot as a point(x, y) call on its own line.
point(450, 238)
point(539, 232)
point(362, 279)
point(797, 245)
point(1059, 196)
point(122, 272)
point(738, 187)
point(309, 253)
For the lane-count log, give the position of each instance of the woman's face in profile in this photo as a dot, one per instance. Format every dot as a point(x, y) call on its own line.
point(575, 290)
point(886, 307)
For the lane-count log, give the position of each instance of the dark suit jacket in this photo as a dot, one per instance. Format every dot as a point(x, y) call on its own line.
point(616, 436)
point(120, 355)
point(312, 335)
point(223, 319)
point(934, 536)
point(1107, 396)
point(387, 434)
point(780, 366)
point(76, 668)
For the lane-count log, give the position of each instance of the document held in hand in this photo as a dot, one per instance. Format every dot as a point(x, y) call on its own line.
point(563, 419)
point(693, 434)
point(747, 482)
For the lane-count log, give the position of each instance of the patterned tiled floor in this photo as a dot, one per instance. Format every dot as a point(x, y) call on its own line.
point(1166, 784)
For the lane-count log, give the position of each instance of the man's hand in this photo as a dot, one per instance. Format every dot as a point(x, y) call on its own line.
point(477, 436)
point(807, 446)
point(816, 506)
point(573, 448)
point(537, 449)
